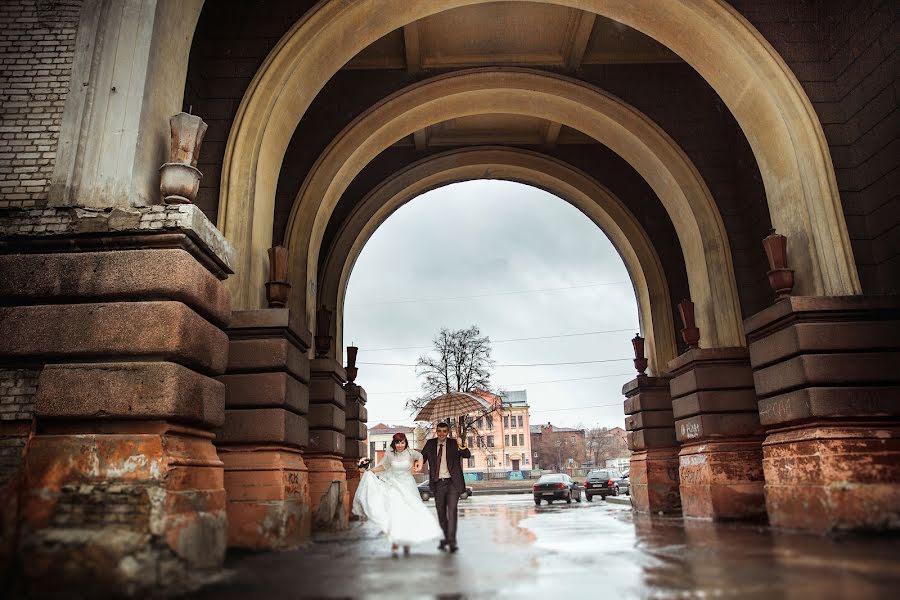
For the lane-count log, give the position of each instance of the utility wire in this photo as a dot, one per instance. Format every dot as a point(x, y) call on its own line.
point(582, 362)
point(443, 298)
point(529, 412)
point(543, 337)
point(510, 385)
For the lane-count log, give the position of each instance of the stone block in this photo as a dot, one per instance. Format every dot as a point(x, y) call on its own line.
point(642, 439)
point(824, 337)
point(714, 401)
point(654, 481)
point(268, 498)
point(722, 481)
point(326, 441)
point(326, 390)
point(872, 368)
point(263, 425)
point(355, 449)
point(267, 354)
point(329, 498)
point(169, 331)
point(652, 399)
point(355, 410)
point(354, 430)
point(830, 402)
point(825, 478)
point(133, 390)
point(116, 275)
point(646, 419)
point(326, 416)
point(712, 377)
point(261, 390)
point(328, 368)
point(717, 425)
point(270, 322)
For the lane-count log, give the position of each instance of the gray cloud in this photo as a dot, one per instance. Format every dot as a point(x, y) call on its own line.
point(489, 237)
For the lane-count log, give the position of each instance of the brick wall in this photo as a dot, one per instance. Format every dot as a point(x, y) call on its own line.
point(17, 390)
point(37, 43)
point(845, 55)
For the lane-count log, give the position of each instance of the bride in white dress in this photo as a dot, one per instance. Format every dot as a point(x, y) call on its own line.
point(392, 501)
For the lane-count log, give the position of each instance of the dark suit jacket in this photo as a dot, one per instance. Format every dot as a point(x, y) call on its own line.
point(454, 464)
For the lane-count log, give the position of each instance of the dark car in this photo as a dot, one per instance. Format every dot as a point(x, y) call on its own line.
point(606, 482)
point(425, 491)
point(556, 486)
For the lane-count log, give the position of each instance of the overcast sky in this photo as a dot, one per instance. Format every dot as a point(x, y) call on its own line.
point(517, 262)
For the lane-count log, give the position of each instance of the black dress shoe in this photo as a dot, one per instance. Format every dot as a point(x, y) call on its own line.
point(453, 548)
point(442, 545)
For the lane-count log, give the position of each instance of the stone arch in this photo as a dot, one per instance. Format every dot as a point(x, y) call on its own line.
point(626, 131)
point(753, 80)
point(572, 185)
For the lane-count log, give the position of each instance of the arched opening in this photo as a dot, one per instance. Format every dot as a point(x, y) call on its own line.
point(529, 269)
point(626, 131)
point(596, 202)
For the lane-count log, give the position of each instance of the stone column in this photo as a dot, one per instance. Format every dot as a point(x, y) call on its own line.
point(355, 434)
point(329, 500)
point(651, 438)
point(717, 424)
point(827, 373)
point(267, 401)
point(120, 311)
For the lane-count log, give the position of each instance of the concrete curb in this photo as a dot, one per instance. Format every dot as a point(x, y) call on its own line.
point(626, 500)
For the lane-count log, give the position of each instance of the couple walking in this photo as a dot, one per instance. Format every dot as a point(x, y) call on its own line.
point(392, 501)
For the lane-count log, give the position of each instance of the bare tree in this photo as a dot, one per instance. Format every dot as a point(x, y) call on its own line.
point(460, 361)
point(605, 443)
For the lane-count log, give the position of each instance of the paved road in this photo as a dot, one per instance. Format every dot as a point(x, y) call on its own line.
point(511, 549)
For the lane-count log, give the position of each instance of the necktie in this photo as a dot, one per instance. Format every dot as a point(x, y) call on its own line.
point(440, 454)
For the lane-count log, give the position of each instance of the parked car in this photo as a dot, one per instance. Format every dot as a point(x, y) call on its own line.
point(425, 491)
point(606, 482)
point(556, 486)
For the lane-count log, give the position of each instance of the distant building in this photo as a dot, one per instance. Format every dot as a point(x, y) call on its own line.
point(501, 441)
point(557, 448)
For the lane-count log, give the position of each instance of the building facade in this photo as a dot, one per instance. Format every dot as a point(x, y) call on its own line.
point(500, 441)
point(380, 437)
point(558, 448)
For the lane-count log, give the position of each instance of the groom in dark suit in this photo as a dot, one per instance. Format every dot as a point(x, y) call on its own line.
point(445, 476)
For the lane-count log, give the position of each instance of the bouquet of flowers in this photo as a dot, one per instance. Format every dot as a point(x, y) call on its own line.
point(363, 464)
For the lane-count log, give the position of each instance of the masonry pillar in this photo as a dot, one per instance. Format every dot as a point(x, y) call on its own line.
point(118, 315)
point(354, 424)
point(329, 498)
point(826, 373)
point(267, 401)
point(355, 432)
point(717, 424)
point(651, 437)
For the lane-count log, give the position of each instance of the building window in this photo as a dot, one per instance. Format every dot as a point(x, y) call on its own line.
point(506, 439)
point(520, 422)
point(479, 423)
point(490, 421)
point(490, 461)
point(471, 462)
point(490, 441)
point(521, 439)
point(506, 422)
point(573, 438)
point(480, 441)
point(469, 441)
point(526, 460)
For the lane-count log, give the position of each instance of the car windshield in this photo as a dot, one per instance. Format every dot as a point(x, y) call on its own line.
point(551, 479)
point(599, 475)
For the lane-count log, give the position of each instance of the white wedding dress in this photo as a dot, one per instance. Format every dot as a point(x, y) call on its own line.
point(392, 501)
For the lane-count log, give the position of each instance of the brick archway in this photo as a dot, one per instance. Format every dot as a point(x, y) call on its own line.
point(755, 83)
point(570, 184)
point(626, 131)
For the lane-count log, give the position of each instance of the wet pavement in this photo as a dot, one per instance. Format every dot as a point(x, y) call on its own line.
point(509, 548)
